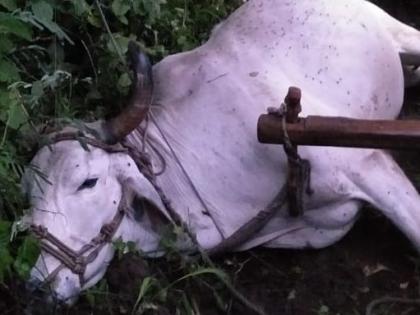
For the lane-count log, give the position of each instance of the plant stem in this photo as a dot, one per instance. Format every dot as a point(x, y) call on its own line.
point(114, 43)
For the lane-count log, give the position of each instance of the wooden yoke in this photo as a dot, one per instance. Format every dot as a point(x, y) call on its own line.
point(342, 132)
point(298, 175)
point(284, 126)
point(293, 107)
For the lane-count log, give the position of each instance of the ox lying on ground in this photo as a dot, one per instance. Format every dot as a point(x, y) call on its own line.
point(345, 55)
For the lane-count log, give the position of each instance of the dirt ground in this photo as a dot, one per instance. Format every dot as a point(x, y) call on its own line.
point(372, 262)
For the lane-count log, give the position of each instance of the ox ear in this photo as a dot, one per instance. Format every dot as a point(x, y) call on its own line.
point(145, 203)
point(142, 196)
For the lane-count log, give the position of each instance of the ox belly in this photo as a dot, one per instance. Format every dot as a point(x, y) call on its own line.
point(345, 63)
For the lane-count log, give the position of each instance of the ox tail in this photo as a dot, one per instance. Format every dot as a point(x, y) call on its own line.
point(387, 188)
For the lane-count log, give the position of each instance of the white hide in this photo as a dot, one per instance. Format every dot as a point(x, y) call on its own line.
point(75, 216)
point(344, 55)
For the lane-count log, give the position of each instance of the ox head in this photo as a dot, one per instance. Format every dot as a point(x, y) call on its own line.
point(77, 193)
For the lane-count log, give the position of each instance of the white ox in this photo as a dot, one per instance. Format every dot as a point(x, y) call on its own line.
point(345, 55)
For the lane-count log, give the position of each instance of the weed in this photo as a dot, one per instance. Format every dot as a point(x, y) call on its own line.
point(61, 61)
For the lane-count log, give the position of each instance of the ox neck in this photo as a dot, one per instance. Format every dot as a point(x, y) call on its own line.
point(176, 184)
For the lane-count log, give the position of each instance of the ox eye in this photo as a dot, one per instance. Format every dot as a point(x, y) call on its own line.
point(88, 183)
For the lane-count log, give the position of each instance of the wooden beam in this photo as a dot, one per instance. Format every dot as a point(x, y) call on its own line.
point(342, 132)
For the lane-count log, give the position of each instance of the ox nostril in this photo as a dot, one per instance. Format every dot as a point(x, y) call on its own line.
point(66, 290)
point(36, 289)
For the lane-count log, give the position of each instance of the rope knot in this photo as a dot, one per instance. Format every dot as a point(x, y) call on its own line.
point(106, 232)
point(99, 239)
point(40, 231)
point(79, 265)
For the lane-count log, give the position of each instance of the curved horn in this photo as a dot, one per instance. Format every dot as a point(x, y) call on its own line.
point(139, 104)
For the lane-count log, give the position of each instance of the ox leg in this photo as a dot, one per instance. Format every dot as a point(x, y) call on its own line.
point(385, 186)
point(411, 76)
point(316, 228)
point(410, 59)
point(411, 67)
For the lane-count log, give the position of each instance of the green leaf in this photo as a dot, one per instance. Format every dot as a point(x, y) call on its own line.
point(37, 90)
point(9, 4)
point(43, 11)
point(16, 116)
point(8, 72)
point(90, 296)
point(6, 259)
point(27, 255)
point(4, 100)
point(124, 81)
point(13, 25)
point(55, 29)
point(120, 8)
point(80, 7)
point(4, 234)
point(94, 20)
point(153, 9)
point(146, 285)
point(5, 44)
point(122, 43)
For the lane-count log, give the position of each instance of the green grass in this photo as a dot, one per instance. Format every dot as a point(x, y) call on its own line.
point(64, 60)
